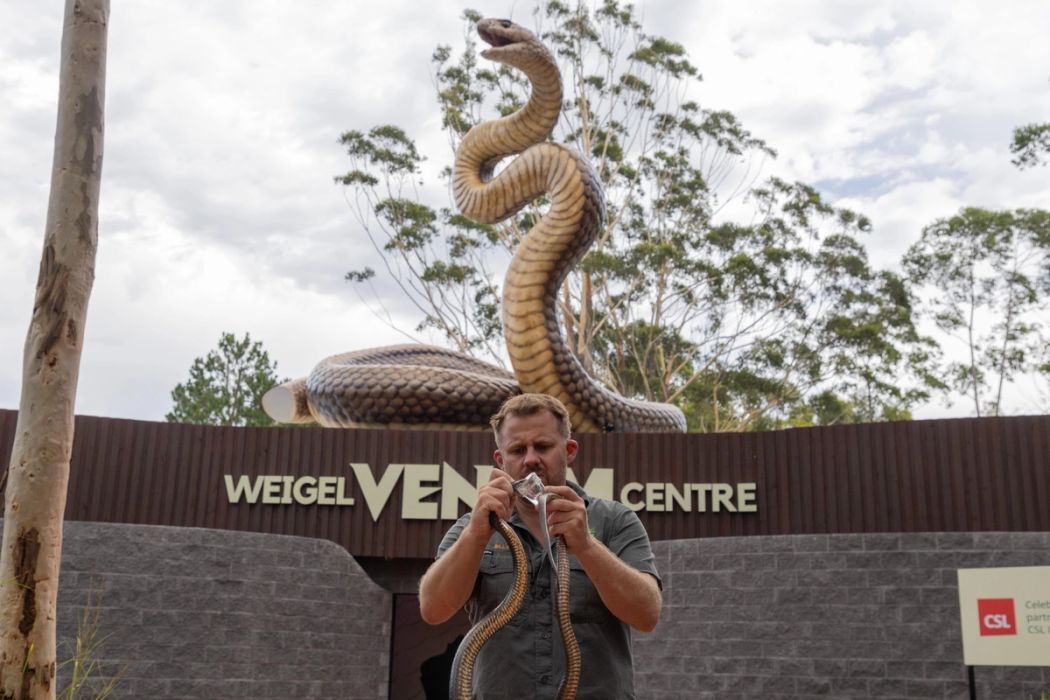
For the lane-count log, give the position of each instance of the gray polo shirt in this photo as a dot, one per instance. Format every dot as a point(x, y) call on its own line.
point(525, 659)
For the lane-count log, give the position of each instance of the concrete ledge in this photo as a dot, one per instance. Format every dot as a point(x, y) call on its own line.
point(193, 613)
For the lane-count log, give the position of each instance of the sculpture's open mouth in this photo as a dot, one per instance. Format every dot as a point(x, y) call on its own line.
point(490, 32)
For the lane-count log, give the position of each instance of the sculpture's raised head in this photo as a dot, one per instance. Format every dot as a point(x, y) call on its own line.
point(510, 42)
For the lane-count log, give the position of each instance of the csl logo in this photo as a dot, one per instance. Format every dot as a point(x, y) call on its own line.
point(996, 616)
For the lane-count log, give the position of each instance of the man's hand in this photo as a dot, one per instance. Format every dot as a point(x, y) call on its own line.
point(447, 584)
point(630, 595)
point(496, 496)
point(567, 516)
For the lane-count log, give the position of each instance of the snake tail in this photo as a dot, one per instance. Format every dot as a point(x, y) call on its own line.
point(461, 680)
point(573, 659)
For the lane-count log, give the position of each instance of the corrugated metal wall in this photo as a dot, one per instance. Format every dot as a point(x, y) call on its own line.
point(947, 475)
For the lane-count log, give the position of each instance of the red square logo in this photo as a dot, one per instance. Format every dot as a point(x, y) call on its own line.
point(997, 616)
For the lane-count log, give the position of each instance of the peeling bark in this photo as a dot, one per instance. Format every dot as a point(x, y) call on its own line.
point(27, 551)
point(38, 474)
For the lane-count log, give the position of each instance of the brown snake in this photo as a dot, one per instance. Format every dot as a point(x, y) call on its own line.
point(461, 679)
point(426, 387)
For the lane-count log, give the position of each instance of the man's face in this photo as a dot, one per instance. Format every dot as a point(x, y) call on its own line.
point(533, 444)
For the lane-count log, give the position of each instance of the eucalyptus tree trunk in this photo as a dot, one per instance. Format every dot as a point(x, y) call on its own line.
point(38, 473)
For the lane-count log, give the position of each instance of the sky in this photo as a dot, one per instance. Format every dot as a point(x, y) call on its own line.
point(218, 206)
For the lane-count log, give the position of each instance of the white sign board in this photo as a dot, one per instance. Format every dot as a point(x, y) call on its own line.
point(1005, 616)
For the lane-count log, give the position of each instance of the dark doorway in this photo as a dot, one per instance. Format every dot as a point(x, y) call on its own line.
point(421, 654)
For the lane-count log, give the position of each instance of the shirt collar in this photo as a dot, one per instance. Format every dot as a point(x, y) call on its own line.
point(580, 492)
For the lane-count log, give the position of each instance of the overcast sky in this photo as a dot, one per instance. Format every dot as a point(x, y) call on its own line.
point(219, 212)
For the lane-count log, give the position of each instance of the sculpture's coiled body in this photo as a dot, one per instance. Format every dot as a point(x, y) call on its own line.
point(340, 393)
point(542, 360)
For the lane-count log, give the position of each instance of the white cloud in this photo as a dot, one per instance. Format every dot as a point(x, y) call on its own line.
point(218, 206)
point(899, 215)
point(145, 330)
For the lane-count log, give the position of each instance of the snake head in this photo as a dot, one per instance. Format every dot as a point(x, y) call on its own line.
point(507, 39)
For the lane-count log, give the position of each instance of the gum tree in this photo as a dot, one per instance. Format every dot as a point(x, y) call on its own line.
point(984, 274)
point(38, 474)
point(742, 322)
point(1031, 145)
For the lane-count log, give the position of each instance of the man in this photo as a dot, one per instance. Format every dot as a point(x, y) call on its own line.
point(614, 585)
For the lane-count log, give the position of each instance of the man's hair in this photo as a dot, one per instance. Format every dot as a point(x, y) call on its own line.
point(529, 405)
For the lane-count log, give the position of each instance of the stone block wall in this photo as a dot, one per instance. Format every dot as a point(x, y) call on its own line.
point(843, 616)
point(191, 613)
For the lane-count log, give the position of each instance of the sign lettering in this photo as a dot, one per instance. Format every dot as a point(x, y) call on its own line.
point(435, 491)
point(1005, 614)
point(997, 616)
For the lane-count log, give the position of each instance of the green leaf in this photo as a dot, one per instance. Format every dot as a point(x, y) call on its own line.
point(225, 387)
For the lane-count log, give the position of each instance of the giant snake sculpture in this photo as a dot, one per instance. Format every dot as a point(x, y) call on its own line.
point(423, 387)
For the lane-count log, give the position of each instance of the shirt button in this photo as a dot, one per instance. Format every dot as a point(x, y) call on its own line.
point(546, 635)
point(545, 679)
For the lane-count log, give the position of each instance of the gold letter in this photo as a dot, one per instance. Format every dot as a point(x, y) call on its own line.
point(413, 491)
point(376, 495)
point(326, 491)
point(745, 498)
point(341, 499)
point(454, 488)
point(684, 500)
point(272, 489)
point(599, 482)
point(245, 488)
point(481, 476)
point(723, 497)
point(305, 491)
point(654, 497)
point(702, 492)
point(624, 493)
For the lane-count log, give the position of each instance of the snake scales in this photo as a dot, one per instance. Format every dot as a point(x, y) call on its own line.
point(461, 679)
point(425, 387)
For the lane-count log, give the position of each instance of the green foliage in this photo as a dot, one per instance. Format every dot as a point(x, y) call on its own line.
point(752, 323)
point(984, 273)
point(226, 386)
point(87, 677)
point(1031, 145)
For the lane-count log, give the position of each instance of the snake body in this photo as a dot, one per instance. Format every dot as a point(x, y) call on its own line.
point(410, 385)
point(378, 387)
point(461, 679)
point(542, 360)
